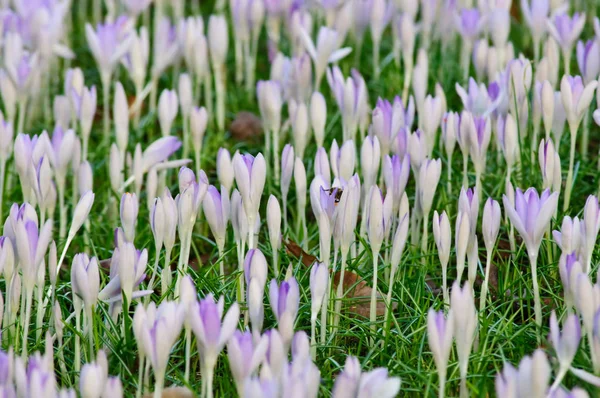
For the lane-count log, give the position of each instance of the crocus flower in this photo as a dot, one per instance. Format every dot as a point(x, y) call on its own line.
point(479, 142)
point(126, 273)
point(326, 50)
point(129, 212)
point(395, 175)
point(569, 269)
point(442, 236)
point(576, 98)
point(531, 216)
point(565, 343)
point(569, 236)
point(590, 227)
point(109, 43)
point(465, 324)
point(529, 380)
point(85, 279)
point(287, 171)
point(168, 105)
point(245, 356)
point(216, 210)
point(370, 159)
point(284, 300)
point(353, 382)
point(225, 169)
point(159, 333)
point(274, 228)
point(440, 331)
point(536, 15)
point(318, 117)
point(342, 160)
point(588, 59)
point(250, 175)
point(211, 333)
point(508, 140)
point(429, 177)
point(490, 226)
point(566, 30)
point(268, 93)
point(351, 96)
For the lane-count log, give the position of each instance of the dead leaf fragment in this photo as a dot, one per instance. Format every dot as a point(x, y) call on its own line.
point(246, 126)
point(293, 249)
point(357, 295)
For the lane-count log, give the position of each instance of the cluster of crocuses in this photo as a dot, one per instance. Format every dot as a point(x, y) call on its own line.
point(360, 191)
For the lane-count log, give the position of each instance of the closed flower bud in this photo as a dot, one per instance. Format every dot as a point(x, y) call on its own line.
point(129, 212)
point(369, 160)
point(465, 323)
point(287, 170)
point(225, 169)
point(440, 331)
point(429, 177)
point(319, 281)
point(184, 89)
point(274, 223)
point(565, 343)
point(318, 117)
point(321, 165)
point(121, 116)
point(490, 223)
point(168, 105)
point(198, 122)
point(82, 210)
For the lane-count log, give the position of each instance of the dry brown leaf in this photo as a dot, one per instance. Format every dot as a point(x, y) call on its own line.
point(246, 126)
point(174, 392)
point(293, 249)
point(358, 295)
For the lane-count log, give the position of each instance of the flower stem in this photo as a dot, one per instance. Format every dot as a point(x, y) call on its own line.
point(373, 309)
point(484, 288)
point(569, 184)
point(188, 344)
point(536, 292)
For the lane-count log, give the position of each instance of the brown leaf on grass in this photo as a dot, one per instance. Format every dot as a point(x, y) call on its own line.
point(293, 249)
point(357, 295)
point(174, 392)
point(246, 126)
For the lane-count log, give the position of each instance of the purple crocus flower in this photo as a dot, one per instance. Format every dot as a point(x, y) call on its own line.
point(216, 210)
point(351, 97)
point(284, 299)
point(440, 334)
point(126, 274)
point(212, 333)
point(477, 99)
point(588, 59)
point(480, 140)
point(566, 343)
point(109, 43)
point(395, 174)
point(245, 356)
point(535, 13)
point(566, 30)
point(389, 118)
point(469, 24)
point(568, 268)
point(531, 215)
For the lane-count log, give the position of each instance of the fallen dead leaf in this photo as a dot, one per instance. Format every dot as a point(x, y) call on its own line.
point(358, 295)
point(293, 249)
point(246, 126)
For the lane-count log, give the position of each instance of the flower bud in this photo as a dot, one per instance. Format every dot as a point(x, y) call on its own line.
point(490, 223)
point(121, 117)
point(299, 120)
point(129, 212)
point(287, 169)
point(318, 117)
point(274, 223)
point(82, 210)
point(198, 122)
point(85, 178)
point(186, 99)
point(319, 281)
point(321, 165)
point(225, 168)
point(168, 104)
